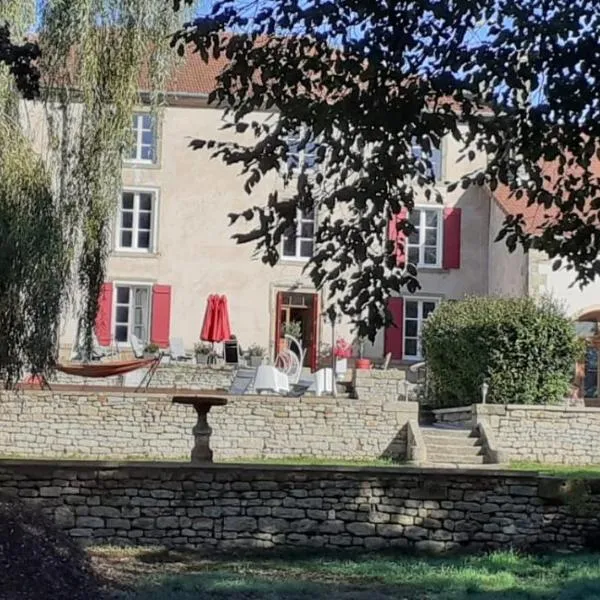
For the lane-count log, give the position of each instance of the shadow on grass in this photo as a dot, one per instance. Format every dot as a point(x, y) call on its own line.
point(381, 576)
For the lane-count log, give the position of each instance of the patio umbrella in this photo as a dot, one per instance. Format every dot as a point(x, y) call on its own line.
point(222, 329)
point(216, 327)
point(210, 314)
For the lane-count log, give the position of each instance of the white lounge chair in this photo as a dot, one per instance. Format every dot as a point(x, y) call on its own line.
point(98, 352)
point(137, 346)
point(177, 351)
point(270, 379)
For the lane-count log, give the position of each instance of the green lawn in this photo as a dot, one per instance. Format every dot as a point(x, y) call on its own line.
point(154, 574)
point(569, 471)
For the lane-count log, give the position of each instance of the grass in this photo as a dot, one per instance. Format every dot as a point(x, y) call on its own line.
point(315, 461)
point(154, 574)
point(568, 471)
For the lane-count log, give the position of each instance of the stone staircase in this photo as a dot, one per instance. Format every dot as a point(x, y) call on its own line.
point(451, 446)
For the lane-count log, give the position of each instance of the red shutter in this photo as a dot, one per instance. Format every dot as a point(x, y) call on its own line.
point(278, 332)
point(315, 332)
point(451, 258)
point(398, 236)
point(394, 335)
point(161, 315)
point(104, 315)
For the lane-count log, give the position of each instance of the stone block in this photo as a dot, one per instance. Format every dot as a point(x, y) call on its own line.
point(239, 524)
point(89, 522)
point(361, 529)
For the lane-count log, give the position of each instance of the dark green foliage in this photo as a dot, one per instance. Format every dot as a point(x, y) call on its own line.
point(38, 561)
point(520, 77)
point(20, 59)
point(525, 351)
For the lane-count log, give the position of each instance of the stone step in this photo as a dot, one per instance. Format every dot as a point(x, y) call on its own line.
point(440, 450)
point(451, 459)
point(450, 441)
point(456, 431)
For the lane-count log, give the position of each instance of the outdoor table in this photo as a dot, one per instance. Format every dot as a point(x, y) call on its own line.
point(201, 451)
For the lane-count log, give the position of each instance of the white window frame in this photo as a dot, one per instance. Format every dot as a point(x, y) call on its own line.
point(136, 191)
point(131, 285)
point(299, 239)
point(419, 300)
point(422, 228)
point(417, 150)
point(137, 146)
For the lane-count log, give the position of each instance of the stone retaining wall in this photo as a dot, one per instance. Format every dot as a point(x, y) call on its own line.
point(461, 416)
point(240, 506)
point(547, 434)
point(380, 384)
point(170, 375)
point(99, 424)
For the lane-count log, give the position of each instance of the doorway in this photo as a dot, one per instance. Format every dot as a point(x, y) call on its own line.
point(299, 312)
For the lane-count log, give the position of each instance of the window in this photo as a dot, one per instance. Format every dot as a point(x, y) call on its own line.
point(415, 314)
point(144, 139)
point(305, 157)
point(298, 242)
point(424, 243)
point(132, 312)
point(135, 229)
point(435, 159)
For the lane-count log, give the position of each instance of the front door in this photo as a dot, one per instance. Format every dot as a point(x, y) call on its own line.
point(298, 315)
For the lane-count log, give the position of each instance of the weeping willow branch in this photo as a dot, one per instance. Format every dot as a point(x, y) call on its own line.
point(97, 55)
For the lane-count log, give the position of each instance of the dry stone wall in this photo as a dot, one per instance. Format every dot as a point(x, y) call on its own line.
point(240, 506)
point(377, 383)
point(171, 375)
point(546, 434)
point(96, 424)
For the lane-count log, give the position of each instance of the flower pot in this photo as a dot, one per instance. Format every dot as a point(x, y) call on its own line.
point(256, 361)
point(362, 363)
point(201, 359)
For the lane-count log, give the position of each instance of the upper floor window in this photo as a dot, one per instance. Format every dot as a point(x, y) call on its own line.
point(424, 245)
point(435, 159)
point(144, 139)
point(301, 157)
point(299, 240)
point(136, 221)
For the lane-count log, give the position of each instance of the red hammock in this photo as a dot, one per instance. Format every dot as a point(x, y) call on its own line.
point(108, 369)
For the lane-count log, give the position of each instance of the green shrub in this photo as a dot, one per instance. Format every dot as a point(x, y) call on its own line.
point(525, 350)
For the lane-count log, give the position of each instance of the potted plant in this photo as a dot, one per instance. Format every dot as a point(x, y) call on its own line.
point(202, 352)
point(360, 362)
point(151, 349)
point(342, 352)
point(292, 328)
point(257, 354)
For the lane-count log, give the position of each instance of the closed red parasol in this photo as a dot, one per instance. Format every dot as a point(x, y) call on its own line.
point(216, 327)
point(209, 319)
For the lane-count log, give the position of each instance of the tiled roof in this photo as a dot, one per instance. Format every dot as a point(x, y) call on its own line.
point(194, 76)
point(536, 215)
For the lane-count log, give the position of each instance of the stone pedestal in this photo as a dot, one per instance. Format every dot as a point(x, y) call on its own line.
point(202, 431)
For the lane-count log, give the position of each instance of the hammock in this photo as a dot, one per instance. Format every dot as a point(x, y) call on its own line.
point(108, 369)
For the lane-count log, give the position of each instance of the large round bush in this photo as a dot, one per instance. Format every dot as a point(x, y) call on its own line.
point(526, 351)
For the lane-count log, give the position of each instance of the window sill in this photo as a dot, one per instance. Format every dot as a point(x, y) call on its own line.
point(133, 254)
point(291, 261)
point(431, 269)
point(132, 164)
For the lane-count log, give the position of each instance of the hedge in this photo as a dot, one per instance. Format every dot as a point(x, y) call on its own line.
point(525, 351)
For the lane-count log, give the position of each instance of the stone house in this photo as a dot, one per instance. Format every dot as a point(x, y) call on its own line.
point(172, 248)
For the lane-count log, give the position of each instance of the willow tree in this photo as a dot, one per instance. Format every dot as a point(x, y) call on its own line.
point(96, 57)
point(56, 205)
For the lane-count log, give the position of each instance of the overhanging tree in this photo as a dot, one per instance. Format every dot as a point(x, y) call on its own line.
point(365, 80)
